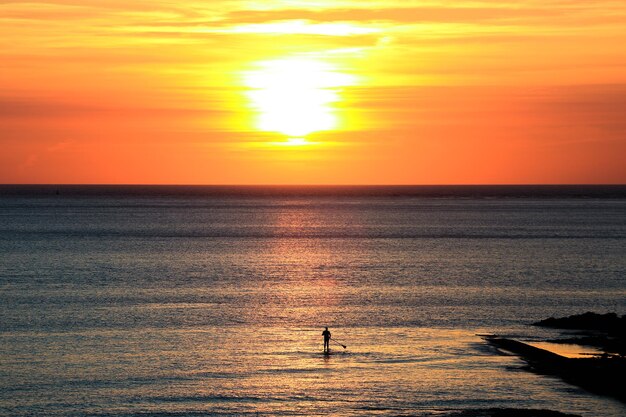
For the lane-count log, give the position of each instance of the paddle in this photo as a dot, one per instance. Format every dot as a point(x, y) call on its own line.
point(340, 344)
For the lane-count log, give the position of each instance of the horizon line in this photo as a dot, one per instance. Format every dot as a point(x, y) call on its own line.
point(314, 185)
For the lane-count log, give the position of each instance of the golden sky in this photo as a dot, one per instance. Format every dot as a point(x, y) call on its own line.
point(315, 92)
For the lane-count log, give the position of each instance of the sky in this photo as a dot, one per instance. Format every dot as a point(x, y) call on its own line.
point(312, 92)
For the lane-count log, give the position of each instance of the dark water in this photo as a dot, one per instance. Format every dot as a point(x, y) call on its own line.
point(211, 300)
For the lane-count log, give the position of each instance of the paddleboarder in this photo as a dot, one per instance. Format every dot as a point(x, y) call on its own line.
point(326, 335)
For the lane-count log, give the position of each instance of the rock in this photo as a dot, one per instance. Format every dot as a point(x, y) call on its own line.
point(509, 412)
point(609, 322)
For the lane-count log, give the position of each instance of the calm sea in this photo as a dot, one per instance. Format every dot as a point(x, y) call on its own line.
point(194, 301)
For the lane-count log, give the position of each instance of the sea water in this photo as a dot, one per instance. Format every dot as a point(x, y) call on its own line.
point(193, 301)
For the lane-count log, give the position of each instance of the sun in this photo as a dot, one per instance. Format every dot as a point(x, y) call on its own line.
point(295, 96)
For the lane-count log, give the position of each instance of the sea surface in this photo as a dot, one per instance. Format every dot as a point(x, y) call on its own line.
point(195, 301)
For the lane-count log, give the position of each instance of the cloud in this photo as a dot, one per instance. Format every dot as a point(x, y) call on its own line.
point(25, 108)
point(396, 15)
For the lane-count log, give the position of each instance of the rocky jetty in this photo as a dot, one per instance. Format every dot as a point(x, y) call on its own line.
point(603, 374)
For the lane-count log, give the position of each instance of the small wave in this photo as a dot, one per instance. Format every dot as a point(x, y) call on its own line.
point(10, 234)
point(293, 371)
point(208, 399)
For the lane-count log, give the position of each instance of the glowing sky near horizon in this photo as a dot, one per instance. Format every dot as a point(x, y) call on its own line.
point(318, 92)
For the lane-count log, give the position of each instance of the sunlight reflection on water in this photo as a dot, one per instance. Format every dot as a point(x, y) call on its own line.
point(274, 370)
point(217, 306)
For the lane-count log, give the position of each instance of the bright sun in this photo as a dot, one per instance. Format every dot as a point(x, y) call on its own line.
point(295, 96)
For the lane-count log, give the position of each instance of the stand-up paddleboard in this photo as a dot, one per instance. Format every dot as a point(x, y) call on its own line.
point(333, 353)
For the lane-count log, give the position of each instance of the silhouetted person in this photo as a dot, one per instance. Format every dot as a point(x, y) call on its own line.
point(326, 335)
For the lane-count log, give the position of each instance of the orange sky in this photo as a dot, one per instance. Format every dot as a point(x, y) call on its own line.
point(316, 92)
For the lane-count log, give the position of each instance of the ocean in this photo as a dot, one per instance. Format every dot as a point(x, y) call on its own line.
point(200, 301)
